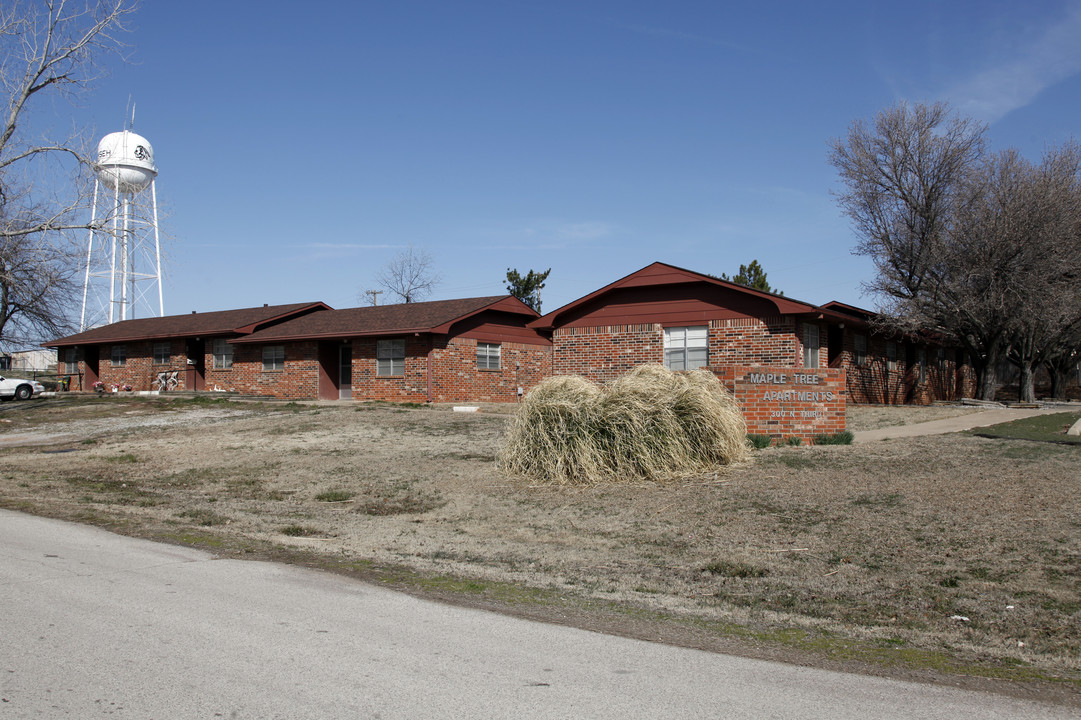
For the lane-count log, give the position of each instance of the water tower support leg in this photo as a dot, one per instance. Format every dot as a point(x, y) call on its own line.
point(157, 246)
point(89, 251)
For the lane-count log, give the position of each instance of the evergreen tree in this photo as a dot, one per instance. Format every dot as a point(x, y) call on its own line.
point(752, 276)
point(527, 287)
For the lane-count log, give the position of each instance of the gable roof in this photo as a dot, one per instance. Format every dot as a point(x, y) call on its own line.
point(223, 322)
point(660, 274)
point(422, 317)
point(856, 313)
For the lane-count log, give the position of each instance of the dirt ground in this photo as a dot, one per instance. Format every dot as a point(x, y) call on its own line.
point(950, 557)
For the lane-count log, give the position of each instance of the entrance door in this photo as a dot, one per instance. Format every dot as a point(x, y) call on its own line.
point(835, 345)
point(345, 373)
point(90, 361)
point(196, 371)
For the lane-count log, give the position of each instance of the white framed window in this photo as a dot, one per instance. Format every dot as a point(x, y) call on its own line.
point(273, 358)
point(859, 347)
point(223, 354)
point(390, 357)
point(162, 351)
point(811, 345)
point(119, 356)
point(71, 360)
point(686, 348)
point(921, 359)
point(891, 355)
point(488, 356)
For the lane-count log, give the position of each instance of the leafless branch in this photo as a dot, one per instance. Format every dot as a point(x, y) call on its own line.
point(410, 276)
point(48, 48)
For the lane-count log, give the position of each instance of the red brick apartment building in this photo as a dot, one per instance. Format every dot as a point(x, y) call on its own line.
point(471, 349)
point(791, 364)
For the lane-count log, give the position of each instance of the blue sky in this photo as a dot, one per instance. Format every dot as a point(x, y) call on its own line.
point(301, 146)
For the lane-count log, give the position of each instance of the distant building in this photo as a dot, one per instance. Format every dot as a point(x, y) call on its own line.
point(28, 361)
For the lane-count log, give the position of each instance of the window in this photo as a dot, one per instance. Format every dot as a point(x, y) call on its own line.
point(223, 354)
point(71, 360)
point(921, 356)
point(273, 358)
point(810, 346)
point(860, 349)
point(162, 351)
point(390, 357)
point(891, 355)
point(686, 348)
point(119, 357)
point(487, 356)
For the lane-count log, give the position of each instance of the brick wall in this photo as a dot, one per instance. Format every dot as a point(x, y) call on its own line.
point(456, 378)
point(411, 386)
point(878, 380)
point(785, 402)
point(754, 341)
point(604, 353)
point(298, 380)
point(139, 369)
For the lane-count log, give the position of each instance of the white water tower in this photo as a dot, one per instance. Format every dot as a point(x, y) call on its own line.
point(123, 253)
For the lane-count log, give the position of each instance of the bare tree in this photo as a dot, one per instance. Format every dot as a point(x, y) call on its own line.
point(38, 287)
point(982, 248)
point(50, 49)
point(907, 178)
point(1044, 233)
point(410, 276)
point(902, 178)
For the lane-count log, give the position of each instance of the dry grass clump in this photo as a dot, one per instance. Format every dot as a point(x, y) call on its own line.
point(650, 423)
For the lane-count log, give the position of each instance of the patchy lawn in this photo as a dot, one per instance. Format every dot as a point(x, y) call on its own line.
point(1044, 428)
point(953, 554)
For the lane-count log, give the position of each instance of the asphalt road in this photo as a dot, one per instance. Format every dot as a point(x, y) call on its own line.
point(94, 624)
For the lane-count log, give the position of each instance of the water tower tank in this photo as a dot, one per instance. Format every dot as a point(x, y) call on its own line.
point(127, 160)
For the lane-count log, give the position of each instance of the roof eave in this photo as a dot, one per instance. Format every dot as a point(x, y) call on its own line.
point(444, 328)
point(342, 335)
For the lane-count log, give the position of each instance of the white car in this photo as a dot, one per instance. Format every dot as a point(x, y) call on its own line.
point(14, 388)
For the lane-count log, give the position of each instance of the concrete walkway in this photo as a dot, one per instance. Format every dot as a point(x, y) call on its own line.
point(967, 421)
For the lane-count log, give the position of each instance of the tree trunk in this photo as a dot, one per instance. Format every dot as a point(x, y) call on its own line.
point(1058, 382)
point(987, 376)
point(1027, 389)
point(988, 382)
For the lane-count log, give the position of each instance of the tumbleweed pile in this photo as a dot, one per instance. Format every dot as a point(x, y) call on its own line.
point(650, 423)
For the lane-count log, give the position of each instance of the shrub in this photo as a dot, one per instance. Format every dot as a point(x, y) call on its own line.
point(793, 441)
point(650, 423)
point(842, 438)
point(760, 442)
point(735, 569)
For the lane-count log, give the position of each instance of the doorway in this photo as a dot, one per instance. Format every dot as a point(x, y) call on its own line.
point(90, 362)
point(835, 345)
point(195, 377)
point(335, 370)
point(345, 372)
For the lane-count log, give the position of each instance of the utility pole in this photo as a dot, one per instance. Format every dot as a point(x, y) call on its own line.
point(374, 295)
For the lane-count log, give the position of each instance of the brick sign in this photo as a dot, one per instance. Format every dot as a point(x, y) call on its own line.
point(788, 402)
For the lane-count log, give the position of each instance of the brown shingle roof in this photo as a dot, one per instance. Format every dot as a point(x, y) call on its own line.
point(224, 322)
point(387, 319)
